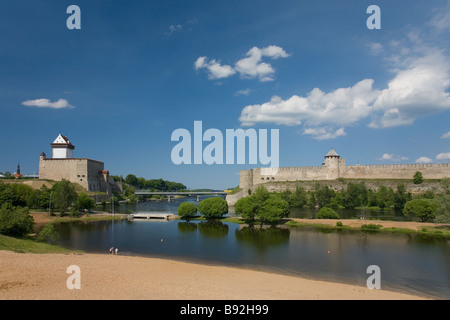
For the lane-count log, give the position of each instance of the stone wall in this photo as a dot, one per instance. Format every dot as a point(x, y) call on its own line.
point(85, 172)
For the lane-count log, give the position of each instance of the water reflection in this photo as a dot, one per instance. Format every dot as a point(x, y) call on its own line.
point(262, 238)
point(213, 229)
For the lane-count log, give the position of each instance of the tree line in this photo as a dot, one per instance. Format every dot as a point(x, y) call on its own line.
point(152, 184)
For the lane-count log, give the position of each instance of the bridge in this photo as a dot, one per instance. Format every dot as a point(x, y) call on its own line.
point(187, 193)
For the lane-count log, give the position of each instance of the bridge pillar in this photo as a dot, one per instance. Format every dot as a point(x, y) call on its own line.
point(198, 198)
point(168, 198)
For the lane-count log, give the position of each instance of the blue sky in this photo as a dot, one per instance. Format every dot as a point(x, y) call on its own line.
point(138, 70)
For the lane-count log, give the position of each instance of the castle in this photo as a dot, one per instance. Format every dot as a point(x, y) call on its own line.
point(88, 173)
point(334, 167)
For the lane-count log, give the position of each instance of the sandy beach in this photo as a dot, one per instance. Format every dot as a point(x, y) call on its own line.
point(103, 276)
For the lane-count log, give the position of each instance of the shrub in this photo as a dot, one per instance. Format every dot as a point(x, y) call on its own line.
point(15, 221)
point(212, 208)
point(418, 178)
point(371, 227)
point(422, 208)
point(339, 224)
point(273, 210)
point(327, 213)
point(187, 210)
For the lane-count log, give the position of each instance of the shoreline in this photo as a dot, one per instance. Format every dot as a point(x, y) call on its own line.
point(19, 271)
point(28, 276)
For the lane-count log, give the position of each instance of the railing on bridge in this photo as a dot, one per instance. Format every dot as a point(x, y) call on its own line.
point(169, 194)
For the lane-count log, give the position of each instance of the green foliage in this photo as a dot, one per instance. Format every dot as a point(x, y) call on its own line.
point(273, 210)
point(246, 209)
point(418, 177)
point(212, 208)
point(47, 234)
point(371, 227)
point(153, 184)
point(187, 210)
point(339, 224)
point(355, 195)
point(401, 197)
point(15, 221)
point(327, 213)
point(63, 196)
point(84, 202)
point(422, 208)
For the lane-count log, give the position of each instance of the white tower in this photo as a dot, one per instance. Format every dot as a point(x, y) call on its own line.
point(62, 148)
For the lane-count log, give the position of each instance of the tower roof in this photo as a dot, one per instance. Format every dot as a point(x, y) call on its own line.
point(332, 153)
point(62, 142)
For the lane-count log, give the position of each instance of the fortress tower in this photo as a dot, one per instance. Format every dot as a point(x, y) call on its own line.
point(62, 148)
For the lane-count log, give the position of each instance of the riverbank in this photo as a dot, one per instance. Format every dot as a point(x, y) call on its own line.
point(43, 276)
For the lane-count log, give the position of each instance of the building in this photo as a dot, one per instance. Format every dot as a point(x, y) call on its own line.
point(334, 167)
point(88, 173)
point(17, 174)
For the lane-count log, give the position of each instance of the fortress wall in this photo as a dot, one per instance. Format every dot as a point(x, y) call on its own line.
point(396, 171)
point(77, 170)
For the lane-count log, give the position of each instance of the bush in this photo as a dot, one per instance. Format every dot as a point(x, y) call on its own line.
point(246, 208)
point(212, 208)
point(371, 227)
point(422, 208)
point(187, 210)
point(339, 224)
point(273, 210)
point(327, 213)
point(15, 221)
point(418, 178)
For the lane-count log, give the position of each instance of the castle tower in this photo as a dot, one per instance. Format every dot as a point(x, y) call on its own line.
point(62, 148)
point(332, 164)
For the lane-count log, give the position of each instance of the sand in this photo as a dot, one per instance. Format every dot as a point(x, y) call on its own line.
point(102, 276)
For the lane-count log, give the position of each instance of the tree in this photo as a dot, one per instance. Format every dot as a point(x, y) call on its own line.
point(84, 202)
point(212, 208)
point(327, 213)
point(418, 178)
point(131, 179)
point(422, 208)
point(443, 202)
point(273, 210)
point(246, 208)
point(401, 197)
point(63, 195)
point(187, 210)
point(15, 221)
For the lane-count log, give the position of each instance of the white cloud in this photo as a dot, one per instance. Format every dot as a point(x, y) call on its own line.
point(243, 92)
point(446, 135)
point(392, 157)
point(249, 67)
point(418, 89)
point(341, 107)
point(443, 156)
point(215, 69)
point(324, 133)
point(424, 160)
point(375, 48)
point(441, 20)
point(173, 29)
point(46, 103)
point(252, 67)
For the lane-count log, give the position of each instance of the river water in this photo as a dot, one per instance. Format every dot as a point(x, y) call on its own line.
point(408, 263)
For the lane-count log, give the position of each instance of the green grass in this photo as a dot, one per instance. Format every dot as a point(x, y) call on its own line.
point(29, 245)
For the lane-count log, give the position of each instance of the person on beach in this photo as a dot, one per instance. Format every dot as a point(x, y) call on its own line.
point(117, 250)
point(111, 250)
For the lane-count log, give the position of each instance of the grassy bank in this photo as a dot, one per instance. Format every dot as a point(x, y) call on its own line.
point(29, 243)
point(429, 230)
